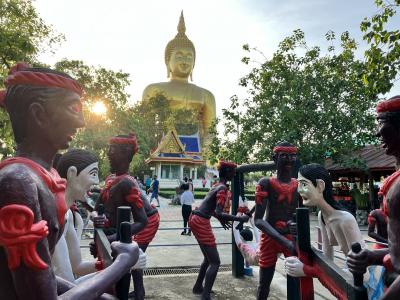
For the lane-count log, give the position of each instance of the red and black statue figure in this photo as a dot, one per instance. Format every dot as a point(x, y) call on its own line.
point(276, 197)
point(212, 206)
point(121, 189)
point(45, 110)
point(388, 117)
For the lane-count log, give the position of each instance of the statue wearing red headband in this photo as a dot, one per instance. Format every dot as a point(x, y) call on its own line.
point(388, 117)
point(212, 205)
point(276, 197)
point(45, 112)
point(121, 189)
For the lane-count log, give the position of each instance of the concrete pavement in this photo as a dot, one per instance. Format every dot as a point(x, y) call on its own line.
point(171, 249)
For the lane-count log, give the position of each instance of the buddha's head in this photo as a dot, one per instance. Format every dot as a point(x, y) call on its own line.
point(180, 54)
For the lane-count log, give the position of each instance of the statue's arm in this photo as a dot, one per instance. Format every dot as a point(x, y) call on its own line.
point(79, 267)
point(393, 292)
point(126, 255)
point(262, 198)
point(30, 266)
point(133, 197)
point(209, 111)
point(327, 248)
point(372, 224)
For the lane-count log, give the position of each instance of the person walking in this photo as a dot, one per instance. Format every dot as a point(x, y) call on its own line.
point(148, 183)
point(187, 199)
point(155, 187)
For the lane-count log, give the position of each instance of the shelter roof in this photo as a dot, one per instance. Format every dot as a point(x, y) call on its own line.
point(374, 157)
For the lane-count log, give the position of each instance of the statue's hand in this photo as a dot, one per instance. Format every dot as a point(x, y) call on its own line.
point(131, 251)
point(99, 221)
point(358, 262)
point(93, 249)
point(292, 227)
point(245, 218)
point(294, 267)
point(142, 261)
point(225, 224)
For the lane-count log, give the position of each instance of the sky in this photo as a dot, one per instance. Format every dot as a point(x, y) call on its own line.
point(131, 35)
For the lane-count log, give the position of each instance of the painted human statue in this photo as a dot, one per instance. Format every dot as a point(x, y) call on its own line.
point(338, 226)
point(212, 205)
point(144, 238)
point(244, 236)
point(180, 56)
point(121, 189)
point(276, 197)
point(388, 117)
point(80, 168)
point(45, 111)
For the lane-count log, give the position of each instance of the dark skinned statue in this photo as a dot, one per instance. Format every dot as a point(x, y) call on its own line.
point(121, 189)
point(276, 197)
point(45, 111)
point(212, 205)
point(143, 238)
point(388, 117)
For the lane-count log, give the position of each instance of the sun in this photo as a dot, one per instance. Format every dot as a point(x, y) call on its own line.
point(99, 108)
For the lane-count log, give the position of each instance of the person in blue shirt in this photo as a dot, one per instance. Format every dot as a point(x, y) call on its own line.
point(155, 187)
point(148, 183)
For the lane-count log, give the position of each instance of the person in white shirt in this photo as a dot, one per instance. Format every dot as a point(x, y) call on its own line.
point(187, 199)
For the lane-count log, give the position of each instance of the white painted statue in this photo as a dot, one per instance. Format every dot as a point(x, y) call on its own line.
point(338, 226)
point(80, 168)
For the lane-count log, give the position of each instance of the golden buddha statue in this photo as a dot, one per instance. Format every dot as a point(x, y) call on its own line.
point(180, 56)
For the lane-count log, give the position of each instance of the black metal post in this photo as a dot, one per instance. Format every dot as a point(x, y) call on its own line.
point(237, 258)
point(125, 236)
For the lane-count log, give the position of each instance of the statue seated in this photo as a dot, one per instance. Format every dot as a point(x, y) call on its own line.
point(180, 56)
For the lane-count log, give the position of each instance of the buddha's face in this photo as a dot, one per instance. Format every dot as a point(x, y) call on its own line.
point(181, 62)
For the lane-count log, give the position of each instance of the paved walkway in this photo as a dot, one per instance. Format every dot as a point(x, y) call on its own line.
point(171, 249)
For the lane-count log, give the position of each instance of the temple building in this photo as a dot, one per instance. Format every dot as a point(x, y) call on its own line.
point(176, 157)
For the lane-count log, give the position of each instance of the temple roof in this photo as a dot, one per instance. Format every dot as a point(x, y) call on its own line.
point(191, 142)
point(176, 148)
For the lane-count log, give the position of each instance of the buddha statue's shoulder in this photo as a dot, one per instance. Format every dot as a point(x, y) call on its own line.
point(207, 95)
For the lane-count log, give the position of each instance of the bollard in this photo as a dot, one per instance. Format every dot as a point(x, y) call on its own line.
point(360, 290)
point(122, 286)
point(123, 215)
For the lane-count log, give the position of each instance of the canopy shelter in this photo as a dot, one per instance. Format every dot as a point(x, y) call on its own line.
point(376, 164)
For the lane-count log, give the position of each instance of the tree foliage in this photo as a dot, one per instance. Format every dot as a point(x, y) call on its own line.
point(106, 86)
point(317, 101)
point(383, 54)
point(23, 35)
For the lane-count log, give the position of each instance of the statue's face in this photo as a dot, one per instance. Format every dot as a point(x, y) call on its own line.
point(389, 134)
point(311, 194)
point(82, 183)
point(181, 62)
point(117, 156)
point(285, 161)
point(64, 118)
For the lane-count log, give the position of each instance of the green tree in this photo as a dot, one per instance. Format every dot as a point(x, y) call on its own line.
point(108, 87)
point(318, 102)
point(383, 54)
point(23, 35)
